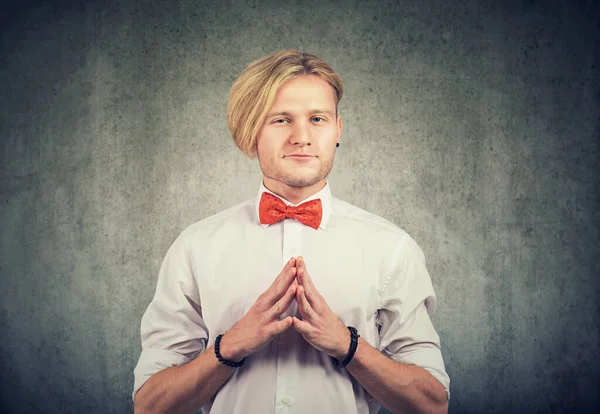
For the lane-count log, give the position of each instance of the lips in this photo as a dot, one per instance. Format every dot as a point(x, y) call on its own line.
point(300, 158)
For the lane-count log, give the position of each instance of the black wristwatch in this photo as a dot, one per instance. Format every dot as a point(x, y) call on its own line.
point(353, 345)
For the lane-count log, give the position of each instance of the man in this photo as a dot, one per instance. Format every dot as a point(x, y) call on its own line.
point(294, 301)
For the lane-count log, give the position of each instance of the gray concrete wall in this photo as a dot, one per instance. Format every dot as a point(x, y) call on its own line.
point(473, 125)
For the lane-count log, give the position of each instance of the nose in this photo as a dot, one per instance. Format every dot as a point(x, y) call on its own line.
point(301, 134)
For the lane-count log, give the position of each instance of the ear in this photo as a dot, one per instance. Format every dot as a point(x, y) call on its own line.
point(339, 127)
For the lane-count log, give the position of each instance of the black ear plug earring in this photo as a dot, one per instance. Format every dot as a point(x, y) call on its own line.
point(337, 144)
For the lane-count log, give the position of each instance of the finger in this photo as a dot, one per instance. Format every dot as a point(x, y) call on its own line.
point(282, 275)
point(281, 305)
point(307, 281)
point(303, 304)
point(283, 325)
point(304, 279)
point(300, 326)
point(282, 283)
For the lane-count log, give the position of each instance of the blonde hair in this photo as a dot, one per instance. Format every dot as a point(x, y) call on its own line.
point(253, 93)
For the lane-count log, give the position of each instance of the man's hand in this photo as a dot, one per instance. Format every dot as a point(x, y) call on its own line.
point(261, 324)
point(319, 325)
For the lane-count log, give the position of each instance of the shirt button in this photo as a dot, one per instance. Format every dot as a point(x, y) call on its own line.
point(286, 400)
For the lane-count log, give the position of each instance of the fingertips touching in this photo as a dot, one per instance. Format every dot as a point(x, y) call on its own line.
point(285, 323)
point(300, 275)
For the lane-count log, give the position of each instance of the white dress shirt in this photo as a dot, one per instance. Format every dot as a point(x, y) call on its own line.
point(370, 272)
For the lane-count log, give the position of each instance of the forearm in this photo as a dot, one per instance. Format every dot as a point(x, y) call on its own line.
point(183, 389)
point(399, 387)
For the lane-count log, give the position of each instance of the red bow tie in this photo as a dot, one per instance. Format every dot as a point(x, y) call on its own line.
point(272, 209)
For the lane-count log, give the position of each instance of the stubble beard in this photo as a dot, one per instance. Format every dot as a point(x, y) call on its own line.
point(295, 181)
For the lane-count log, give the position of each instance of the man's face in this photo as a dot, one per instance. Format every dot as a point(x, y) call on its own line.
point(296, 143)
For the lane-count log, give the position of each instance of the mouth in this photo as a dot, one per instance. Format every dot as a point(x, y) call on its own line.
point(300, 158)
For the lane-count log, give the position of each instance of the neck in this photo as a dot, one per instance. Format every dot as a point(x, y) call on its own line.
point(293, 194)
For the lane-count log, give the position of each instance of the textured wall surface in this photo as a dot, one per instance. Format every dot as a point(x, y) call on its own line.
point(473, 125)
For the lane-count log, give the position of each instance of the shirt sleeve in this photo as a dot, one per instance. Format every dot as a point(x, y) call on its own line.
point(172, 329)
point(406, 332)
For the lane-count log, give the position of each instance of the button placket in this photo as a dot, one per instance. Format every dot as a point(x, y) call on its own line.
point(291, 243)
point(292, 231)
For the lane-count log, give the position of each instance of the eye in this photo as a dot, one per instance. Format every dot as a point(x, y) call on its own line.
point(279, 121)
point(317, 119)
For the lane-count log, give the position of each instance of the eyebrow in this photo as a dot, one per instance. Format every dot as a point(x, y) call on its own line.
point(312, 112)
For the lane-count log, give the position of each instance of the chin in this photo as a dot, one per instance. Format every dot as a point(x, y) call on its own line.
point(301, 182)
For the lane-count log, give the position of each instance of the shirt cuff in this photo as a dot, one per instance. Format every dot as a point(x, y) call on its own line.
point(152, 361)
point(428, 358)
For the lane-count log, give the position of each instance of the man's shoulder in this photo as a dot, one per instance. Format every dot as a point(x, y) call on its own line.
point(343, 210)
point(235, 215)
point(374, 229)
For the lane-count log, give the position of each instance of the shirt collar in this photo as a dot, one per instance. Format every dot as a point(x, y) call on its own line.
point(324, 194)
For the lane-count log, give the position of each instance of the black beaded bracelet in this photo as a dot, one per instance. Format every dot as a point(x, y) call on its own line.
point(223, 360)
point(353, 345)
